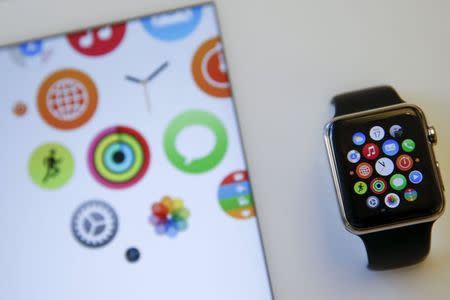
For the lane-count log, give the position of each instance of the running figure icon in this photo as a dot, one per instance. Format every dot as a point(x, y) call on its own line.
point(52, 164)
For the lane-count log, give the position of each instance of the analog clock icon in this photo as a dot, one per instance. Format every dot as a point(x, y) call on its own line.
point(384, 166)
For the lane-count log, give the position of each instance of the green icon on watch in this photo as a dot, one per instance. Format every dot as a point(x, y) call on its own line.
point(51, 166)
point(398, 182)
point(408, 145)
point(195, 141)
point(360, 187)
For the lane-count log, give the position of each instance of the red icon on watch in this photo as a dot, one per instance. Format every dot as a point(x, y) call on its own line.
point(404, 162)
point(371, 151)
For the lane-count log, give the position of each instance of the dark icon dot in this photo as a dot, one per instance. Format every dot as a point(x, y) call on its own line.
point(132, 255)
point(119, 157)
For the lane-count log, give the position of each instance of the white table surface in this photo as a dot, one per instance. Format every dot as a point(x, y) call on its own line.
point(287, 59)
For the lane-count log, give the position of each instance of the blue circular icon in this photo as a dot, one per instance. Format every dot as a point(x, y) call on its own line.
point(31, 48)
point(390, 147)
point(132, 255)
point(415, 177)
point(359, 138)
point(353, 156)
point(396, 131)
point(173, 25)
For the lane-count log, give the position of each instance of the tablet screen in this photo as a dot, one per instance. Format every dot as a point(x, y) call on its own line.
point(123, 172)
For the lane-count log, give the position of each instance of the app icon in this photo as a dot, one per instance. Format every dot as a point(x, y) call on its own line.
point(364, 170)
point(353, 156)
point(67, 99)
point(396, 131)
point(398, 182)
point(51, 166)
point(20, 109)
point(359, 138)
point(384, 166)
point(174, 25)
point(195, 141)
point(210, 70)
point(169, 216)
point(360, 187)
point(415, 177)
point(373, 202)
point(377, 133)
point(94, 224)
point(98, 41)
point(32, 48)
point(378, 186)
point(390, 147)
point(119, 157)
point(404, 162)
point(410, 195)
point(370, 151)
point(392, 200)
point(132, 254)
point(235, 196)
point(408, 145)
point(32, 53)
point(144, 82)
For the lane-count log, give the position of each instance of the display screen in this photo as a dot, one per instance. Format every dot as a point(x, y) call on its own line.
point(123, 173)
point(385, 168)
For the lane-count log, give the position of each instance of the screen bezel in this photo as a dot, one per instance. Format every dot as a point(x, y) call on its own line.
point(337, 180)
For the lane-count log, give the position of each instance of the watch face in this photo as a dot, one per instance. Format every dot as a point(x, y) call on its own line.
point(385, 168)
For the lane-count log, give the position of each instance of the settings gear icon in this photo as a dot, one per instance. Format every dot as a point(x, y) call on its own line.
point(94, 224)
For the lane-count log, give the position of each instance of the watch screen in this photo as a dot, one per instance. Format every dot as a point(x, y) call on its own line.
point(385, 168)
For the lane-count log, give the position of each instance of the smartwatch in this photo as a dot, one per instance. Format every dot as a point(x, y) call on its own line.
point(386, 176)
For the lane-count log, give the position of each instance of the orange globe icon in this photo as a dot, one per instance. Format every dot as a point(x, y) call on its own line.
point(67, 99)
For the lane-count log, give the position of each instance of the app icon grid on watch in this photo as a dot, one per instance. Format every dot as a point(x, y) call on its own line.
point(382, 166)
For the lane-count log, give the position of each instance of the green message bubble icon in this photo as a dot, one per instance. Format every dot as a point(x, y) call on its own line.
point(51, 166)
point(195, 141)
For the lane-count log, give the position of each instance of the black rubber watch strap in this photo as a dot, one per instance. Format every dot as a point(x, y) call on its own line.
point(365, 99)
point(393, 248)
point(396, 248)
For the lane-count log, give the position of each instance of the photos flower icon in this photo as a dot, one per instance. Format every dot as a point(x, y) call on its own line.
point(169, 216)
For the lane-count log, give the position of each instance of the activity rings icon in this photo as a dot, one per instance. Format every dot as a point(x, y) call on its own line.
point(119, 157)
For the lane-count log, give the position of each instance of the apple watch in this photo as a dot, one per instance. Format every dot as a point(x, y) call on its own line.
point(387, 179)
